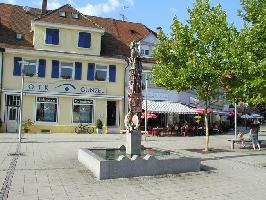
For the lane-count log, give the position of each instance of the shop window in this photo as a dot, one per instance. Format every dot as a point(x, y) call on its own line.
point(46, 109)
point(30, 67)
point(101, 73)
point(66, 71)
point(52, 36)
point(82, 111)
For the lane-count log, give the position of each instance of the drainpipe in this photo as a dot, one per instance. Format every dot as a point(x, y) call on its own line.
point(2, 50)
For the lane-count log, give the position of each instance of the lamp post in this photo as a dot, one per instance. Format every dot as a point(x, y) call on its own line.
point(146, 100)
point(235, 121)
point(23, 63)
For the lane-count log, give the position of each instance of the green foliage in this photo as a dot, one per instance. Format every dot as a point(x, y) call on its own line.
point(99, 124)
point(27, 124)
point(250, 49)
point(196, 55)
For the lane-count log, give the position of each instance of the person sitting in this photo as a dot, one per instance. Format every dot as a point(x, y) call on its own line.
point(240, 136)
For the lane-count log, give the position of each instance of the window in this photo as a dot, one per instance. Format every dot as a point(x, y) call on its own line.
point(147, 52)
point(142, 52)
point(82, 111)
point(75, 15)
point(20, 36)
point(30, 67)
point(12, 100)
point(52, 36)
point(84, 40)
point(62, 14)
point(101, 73)
point(67, 70)
point(46, 109)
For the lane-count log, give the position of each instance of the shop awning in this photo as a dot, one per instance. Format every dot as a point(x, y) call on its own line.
point(167, 107)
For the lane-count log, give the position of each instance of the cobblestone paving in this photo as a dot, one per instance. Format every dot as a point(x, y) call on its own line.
point(48, 169)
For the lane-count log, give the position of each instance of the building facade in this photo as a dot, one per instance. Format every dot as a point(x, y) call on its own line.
point(71, 66)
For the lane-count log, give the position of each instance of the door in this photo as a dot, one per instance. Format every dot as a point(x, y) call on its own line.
point(111, 113)
point(12, 119)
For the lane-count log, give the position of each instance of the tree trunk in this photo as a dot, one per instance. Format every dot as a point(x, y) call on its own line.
point(207, 131)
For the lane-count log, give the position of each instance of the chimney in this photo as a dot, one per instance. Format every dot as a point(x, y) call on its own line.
point(158, 29)
point(44, 7)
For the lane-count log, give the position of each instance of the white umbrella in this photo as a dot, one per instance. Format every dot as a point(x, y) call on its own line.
point(256, 116)
point(246, 116)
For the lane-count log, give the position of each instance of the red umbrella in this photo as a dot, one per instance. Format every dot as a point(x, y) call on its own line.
point(149, 115)
point(202, 111)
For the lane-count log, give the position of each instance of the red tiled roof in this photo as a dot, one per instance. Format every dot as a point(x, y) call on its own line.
point(115, 41)
point(53, 17)
point(13, 19)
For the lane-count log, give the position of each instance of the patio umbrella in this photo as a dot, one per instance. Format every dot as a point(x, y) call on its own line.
point(149, 115)
point(246, 116)
point(202, 111)
point(256, 116)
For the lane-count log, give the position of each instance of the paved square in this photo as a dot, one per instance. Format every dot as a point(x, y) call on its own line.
point(47, 168)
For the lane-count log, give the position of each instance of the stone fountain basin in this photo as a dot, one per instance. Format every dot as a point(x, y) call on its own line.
point(132, 166)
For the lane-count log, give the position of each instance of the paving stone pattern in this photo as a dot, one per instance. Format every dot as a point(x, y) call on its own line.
point(48, 169)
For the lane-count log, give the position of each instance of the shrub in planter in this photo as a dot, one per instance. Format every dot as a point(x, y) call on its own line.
point(26, 125)
point(99, 126)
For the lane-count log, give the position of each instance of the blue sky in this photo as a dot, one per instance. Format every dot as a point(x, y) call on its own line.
point(152, 13)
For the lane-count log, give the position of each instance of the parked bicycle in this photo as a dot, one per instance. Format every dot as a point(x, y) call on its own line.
point(83, 129)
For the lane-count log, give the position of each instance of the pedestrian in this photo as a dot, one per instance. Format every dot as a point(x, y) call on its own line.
point(254, 136)
point(240, 136)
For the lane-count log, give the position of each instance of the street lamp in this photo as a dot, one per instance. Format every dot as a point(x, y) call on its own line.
point(22, 63)
point(146, 100)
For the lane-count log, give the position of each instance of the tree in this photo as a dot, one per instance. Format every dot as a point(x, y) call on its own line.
point(250, 49)
point(196, 55)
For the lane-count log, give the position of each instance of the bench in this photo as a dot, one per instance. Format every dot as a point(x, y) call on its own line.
point(233, 141)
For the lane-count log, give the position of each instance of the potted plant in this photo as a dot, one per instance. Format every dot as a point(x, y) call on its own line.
point(99, 126)
point(26, 125)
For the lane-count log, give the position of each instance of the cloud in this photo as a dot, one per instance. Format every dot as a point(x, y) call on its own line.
point(54, 4)
point(11, 1)
point(100, 9)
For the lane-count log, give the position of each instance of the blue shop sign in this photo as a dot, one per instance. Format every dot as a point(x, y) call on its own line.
point(63, 88)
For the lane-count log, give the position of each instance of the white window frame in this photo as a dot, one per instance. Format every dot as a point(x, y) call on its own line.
point(23, 66)
point(58, 111)
point(78, 40)
point(107, 72)
point(59, 43)
point(73, 70)
point(93, 106)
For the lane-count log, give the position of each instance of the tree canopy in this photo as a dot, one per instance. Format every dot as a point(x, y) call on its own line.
point(198, 55)
point(250, 51)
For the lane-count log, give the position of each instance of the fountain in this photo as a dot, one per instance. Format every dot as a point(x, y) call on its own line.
point(134, 159)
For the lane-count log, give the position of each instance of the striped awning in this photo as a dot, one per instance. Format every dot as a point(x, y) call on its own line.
point(167, 107)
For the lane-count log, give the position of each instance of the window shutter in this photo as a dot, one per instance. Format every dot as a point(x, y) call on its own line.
point(56, 36)
point(91, 69)
point(17, 66)
point(78, 70)
point(55, 69)
point(41, 69)
point(84, 40)
point(112, 73)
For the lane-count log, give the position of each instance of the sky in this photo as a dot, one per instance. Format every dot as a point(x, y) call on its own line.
point(152, 13)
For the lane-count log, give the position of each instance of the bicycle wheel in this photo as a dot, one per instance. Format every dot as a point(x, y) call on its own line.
point(90, 130)
point(77, 130)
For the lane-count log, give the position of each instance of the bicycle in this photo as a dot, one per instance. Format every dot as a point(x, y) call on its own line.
point(83, 129)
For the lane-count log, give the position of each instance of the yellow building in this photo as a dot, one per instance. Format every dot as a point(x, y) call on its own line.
point(72, 66)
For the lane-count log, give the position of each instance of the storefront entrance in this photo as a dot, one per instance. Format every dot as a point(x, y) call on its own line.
point(111, 113)
point(12, 113)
